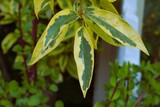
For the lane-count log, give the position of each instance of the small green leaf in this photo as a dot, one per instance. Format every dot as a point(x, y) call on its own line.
point(105, 4)
point(32, 90)
point(71, 67)
point(113, 81)
point(53, 34)
point(21, 102)
point(53, 87)
point(2, 92)
point(12, 87)
point(5, 103)
point(7, 20)
point(18, 63)
point(156, 100)
point(63, 60)
point(59, 104)
point(34, 100)
point(100, 104)
point(115, 27)
point(8, 42)
point(84, 57)
point(56, 76)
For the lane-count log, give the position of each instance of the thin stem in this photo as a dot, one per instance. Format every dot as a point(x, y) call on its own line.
point(140, 97)
point(22, 42)
point(115, 89)
point(34, 30)
point(81, 9)
point(34, 36)
point(127, 86)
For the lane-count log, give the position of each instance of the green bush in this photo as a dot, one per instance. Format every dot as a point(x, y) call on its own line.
point(132, 86)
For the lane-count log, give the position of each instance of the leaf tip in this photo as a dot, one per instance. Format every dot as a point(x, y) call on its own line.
point(84, 94)
point(145, 51)
point(31, 62)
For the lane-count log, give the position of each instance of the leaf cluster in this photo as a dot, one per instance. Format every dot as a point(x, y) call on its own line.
point(96, 19)
point(132, 86)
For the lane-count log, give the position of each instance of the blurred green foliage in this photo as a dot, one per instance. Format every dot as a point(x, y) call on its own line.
point(126, 89)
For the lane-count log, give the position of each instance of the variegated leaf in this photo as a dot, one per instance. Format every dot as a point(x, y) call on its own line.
point(95, 28)
point(84, 57)
point(94, 37)
point(40, 4)
point(115, 27)
point(53, 34)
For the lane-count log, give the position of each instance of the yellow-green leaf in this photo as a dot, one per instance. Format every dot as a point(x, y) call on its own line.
point(65, 4)
point(51, 4)
point(7, 11)
point(53, 34)
point(8, 42)
point(40, 4)
point(105, 4)
point(84, 57)
point(115, 27)
point(63, 60)
point(111, 0)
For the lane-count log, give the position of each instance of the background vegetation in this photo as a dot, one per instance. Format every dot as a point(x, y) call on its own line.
point(50, 82)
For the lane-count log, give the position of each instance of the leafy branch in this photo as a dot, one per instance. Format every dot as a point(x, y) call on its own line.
point(104, 22)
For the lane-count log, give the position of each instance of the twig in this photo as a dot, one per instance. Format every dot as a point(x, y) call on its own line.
point(34, 30)
point(81, 9)
point(140, 98)
point(23, 43)
point(127, 97)
point(115, 89)
point(34, 36)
